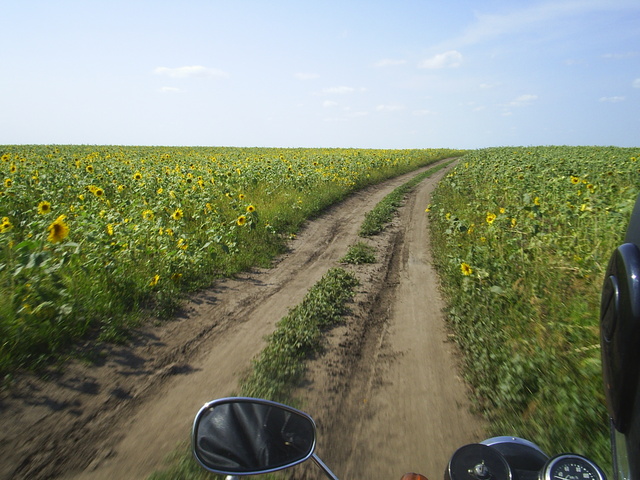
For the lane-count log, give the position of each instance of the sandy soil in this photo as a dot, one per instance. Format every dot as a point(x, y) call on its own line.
point(385, 392)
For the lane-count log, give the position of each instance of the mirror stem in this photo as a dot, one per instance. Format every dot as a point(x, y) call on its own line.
point(324, 468)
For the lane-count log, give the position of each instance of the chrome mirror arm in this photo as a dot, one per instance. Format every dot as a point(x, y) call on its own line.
point(324, 468)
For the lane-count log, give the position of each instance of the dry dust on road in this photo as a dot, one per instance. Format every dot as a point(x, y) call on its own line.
point(385, 391)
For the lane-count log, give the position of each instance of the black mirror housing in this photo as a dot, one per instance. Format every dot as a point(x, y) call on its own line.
point(250, 436)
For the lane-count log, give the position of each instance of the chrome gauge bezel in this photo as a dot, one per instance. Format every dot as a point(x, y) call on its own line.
point(564, 458)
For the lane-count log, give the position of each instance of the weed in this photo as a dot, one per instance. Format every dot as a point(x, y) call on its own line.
point(360, 253)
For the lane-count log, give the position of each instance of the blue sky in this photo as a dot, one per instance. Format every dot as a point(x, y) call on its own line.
point(368, 74)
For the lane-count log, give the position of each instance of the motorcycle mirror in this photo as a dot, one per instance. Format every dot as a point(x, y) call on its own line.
point(250, 436)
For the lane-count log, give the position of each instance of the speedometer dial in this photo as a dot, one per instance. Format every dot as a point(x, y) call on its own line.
point(569, 466)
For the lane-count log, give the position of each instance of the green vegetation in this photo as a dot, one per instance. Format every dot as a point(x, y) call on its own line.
point(522, 238)
point(360, 253)
point(377, 219)
point(281, 365)
point(95, 239)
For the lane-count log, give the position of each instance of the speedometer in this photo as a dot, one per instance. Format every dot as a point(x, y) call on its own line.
point(569, 466)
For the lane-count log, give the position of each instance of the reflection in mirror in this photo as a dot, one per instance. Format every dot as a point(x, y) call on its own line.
point(250, 436)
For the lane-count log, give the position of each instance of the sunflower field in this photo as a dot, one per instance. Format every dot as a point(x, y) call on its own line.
point(522, 239)
point(91, 237)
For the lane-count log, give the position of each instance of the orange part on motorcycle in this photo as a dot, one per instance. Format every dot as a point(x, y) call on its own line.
point(413, 476)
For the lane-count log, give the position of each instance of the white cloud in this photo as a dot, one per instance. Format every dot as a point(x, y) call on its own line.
point(329, 103)
point(532, 17)
point(169, 90)
point(191, 71)
point(389, 62)
point(523, 100)
point(306, 76)
point(620, 56)
point(339, 90)
point(636, 83)
point(450, 59)
point(423, 112)
point(393, 107)
point(612, 99)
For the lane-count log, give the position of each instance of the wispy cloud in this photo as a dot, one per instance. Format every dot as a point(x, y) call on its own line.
point(449, 59)
point(423, 112)
point(612, 99)
point(532, 17)
point(169, 90)
point(329, 104)
point(636, 83)
point(306, 76)
point(197, 71)
point(339, 90)
point(620, 56)
point(389, 62)
point(523, 100)
point(393, 107)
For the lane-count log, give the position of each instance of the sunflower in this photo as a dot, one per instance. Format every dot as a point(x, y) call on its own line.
point(44, 207)
point(242, 219)
point(137, 176)
point(58, 230)
point(147, 215)
point(109, 229)
point(491, 217)
point(466, 269)
point(8, 182)
point(178, 214)
point(154, 280)
point(5, 225)
point(251, 208)
point(98, 192)
point(575, 180)
point(89, 168)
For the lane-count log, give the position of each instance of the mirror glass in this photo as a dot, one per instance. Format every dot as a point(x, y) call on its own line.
point(244, 436)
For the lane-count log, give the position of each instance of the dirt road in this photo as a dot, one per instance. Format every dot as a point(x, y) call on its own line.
point(385, 392)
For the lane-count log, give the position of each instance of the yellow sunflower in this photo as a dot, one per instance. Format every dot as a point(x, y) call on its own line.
point(491, 217)
point(5, 225)
point(242, 219)
point(178, 214)
point(44, 207)
point(466, 269)
point(251, 209)
point(58, 230)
